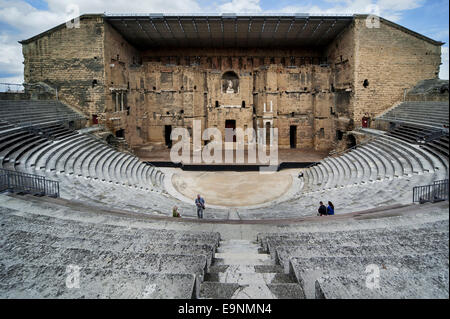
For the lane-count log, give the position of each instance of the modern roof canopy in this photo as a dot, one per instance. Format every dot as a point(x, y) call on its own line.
point(228, 30)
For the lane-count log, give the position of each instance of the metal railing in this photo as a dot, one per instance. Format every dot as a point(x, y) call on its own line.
point(11, 88)
point(438, 191)
point(18, 182)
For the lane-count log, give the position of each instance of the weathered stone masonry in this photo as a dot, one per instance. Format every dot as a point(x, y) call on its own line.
point(313, 94)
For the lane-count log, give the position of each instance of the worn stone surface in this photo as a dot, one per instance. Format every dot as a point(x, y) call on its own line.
point(130, 257)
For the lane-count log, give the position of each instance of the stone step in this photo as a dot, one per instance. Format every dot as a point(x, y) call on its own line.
point(404, 285)
point(137, 246)
point(158, 263)
point(283, 254)
point(241, 259)
point(247, 268)
point(216, 290)
point(248, 278)
point(93, 283)
point(308, 270)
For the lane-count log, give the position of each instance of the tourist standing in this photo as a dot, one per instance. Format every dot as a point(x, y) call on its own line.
point(200, 203)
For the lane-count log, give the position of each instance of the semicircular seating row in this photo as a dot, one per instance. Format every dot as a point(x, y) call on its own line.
point(40, 112)
point(410, 252)
point(382, 158)
point(34, 140)
point(414, 112)
point(87, 168)
point(117, 258)
point(75, 154)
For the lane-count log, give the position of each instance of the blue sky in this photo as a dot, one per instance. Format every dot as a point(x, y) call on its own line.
point(21, 19)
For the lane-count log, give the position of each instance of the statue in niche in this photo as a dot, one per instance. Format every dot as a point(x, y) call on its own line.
point(230, 87)
point(230, 83)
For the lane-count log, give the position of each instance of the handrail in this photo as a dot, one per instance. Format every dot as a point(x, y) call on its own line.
point(6, 87)
point(438, 191)
point(19, 182)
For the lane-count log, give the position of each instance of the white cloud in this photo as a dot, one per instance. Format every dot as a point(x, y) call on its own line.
point(239, 6)
point(10, 79)
point(126, 6)
point(388, 9)
point(10, 56)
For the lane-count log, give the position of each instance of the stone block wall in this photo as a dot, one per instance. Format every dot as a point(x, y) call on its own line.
point(389, 61)
point(70, 60)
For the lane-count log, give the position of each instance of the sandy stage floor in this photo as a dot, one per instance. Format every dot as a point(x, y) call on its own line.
point(233, 188)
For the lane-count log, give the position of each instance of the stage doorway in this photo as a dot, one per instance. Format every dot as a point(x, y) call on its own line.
point(293, 136)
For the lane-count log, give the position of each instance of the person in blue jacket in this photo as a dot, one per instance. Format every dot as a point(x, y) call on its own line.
point(330, 208)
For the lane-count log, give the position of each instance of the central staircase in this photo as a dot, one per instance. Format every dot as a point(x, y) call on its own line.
point(240, 270)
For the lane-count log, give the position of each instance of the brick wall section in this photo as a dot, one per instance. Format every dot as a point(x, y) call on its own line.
point(392, 61)
point(120, 58)
point(69, 59)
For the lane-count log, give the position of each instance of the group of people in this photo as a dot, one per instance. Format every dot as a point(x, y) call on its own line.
point(325, 210)
point(199, 203)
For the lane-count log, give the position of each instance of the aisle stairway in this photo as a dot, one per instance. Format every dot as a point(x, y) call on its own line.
point(240, 271)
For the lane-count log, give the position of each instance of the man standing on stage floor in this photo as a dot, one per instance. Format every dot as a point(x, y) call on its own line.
point(200, 203)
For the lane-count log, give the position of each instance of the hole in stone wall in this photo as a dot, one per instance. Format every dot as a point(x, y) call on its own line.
point(243, 104)
point(366, 83)
point(182, 112)
point(217, 103)
point(195, 87)
point(94, 83)
point(120, 133)
point(154, 88)
point(339, 135)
